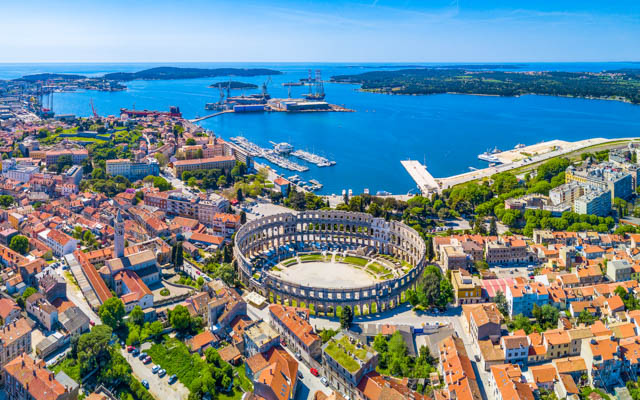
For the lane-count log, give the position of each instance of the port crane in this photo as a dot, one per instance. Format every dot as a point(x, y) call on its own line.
point(264, 87)
point(93, 109)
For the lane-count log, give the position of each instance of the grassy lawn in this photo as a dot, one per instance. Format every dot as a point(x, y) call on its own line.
point(242, 379)
point(70, 367)
point(235, 395)
point(355, 260)
point(377, 268)
point(312, 257)
point(288, 262)
point(174, 356)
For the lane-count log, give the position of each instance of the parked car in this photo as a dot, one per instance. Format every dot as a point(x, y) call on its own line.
point(314, 372)
point(130, 349)
point(162, 373)
point(122, 344)
point(324, 381)
point(142, 356)
point(299, 356)
point(147, 360)
point(172, 379)
point(300, 374)
point(135, 352)
point(155, 369)
point(145, 383)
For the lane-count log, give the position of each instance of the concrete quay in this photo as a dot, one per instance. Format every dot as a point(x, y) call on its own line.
point(513, 159)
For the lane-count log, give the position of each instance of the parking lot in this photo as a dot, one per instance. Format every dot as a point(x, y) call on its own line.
point(158, 387)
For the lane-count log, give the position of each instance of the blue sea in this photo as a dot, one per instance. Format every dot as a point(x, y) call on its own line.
point(447, 132)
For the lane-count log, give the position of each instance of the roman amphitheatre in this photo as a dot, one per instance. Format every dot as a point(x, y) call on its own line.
point(325, 260)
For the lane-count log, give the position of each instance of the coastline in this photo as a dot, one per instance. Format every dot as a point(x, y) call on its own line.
point(377, 91)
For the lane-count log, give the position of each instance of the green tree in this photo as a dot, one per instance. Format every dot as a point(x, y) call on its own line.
point(6, 200)
point(243, 217)
point(501, 301)
point(137, 316)
point(178, 256)
point(180, 319)
point(346, 317)
point(430, 252)
point(191, 142)
point(446, 293)
point(63, 162)
point(493, 227)
point(239, 195)
point(25, 295)
point(93, 349)
point(162, 184)
point(585, 317)
point(111, 312)
point(19, 244)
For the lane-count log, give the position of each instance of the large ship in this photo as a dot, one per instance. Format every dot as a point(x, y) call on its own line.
point(490, 156)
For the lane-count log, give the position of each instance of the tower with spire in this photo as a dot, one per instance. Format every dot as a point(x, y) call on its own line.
point(118, 240)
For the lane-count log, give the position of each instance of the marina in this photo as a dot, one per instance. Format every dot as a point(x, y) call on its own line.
point(256, 151)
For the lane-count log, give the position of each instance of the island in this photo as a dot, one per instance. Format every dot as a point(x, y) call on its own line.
point(188, 73)
point(233, 85)
point(622, 85)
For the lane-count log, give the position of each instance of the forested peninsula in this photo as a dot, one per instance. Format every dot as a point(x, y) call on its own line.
point(622, 85)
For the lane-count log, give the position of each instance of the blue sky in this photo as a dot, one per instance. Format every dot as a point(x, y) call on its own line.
point(320, 31)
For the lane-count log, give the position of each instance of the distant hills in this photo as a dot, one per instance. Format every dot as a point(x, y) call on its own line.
point(159, 73)
point(49, 76)
point(188, 73)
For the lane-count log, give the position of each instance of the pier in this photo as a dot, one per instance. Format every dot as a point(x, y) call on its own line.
point(210, 116)
point(425, 181)
point(514, 159)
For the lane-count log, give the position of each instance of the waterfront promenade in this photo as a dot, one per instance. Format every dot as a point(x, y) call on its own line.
point(528, 157)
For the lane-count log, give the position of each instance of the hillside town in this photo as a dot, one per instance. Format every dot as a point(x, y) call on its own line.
point(121, 277)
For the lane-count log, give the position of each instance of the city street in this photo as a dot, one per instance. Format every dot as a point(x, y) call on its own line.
point(309, 384)
point(158, 387)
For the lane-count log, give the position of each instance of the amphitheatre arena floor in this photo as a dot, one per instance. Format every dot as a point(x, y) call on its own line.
point(323, 274)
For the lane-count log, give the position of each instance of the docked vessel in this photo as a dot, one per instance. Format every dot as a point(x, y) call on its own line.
point(519, 146)
point(282, 148)
point(490, 156)
point(313, 158)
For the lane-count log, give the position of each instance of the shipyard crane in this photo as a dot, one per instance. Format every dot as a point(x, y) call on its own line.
point(264, 87)
point(93, 109)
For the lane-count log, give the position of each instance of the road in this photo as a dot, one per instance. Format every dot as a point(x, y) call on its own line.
point(158, 387)
point(309, 384)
